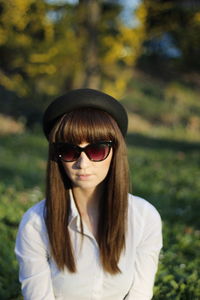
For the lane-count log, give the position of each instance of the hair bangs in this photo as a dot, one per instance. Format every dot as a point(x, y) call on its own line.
point(86, 125)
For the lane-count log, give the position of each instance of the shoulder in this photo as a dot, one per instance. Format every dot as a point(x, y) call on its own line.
point(32, 237)
point(144, 221)
point(142, 211)
point(34, 216)
point(140, 205)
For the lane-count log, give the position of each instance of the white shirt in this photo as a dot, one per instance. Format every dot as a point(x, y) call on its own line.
point(41, 279)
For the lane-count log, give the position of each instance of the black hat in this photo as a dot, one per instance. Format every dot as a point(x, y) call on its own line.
point(80, 98)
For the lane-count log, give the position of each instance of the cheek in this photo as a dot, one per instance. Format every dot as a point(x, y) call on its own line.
point(68, 169)
point(106, 166)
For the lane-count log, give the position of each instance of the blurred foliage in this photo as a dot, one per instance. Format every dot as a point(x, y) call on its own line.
point(166, 172)
point(21, 179)
point(159, 108)
point(9, 125)
point(180, 20)
point(12, 206)
point(25, 31)
point(48, 47)
point(179, 273)
point(22, 160)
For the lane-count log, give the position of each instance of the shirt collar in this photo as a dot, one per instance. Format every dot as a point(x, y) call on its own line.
point(74, 214)
point(74, 217)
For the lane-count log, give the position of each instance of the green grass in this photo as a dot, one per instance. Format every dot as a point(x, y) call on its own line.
point(21, 185)
point(170, 109)
point(164, 168)
point(167, 173)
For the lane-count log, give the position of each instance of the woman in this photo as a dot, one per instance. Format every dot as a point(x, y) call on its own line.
point(89, 239)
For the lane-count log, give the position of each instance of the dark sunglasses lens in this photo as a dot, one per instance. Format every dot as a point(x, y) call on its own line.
point(98, 152)
point(68, 153)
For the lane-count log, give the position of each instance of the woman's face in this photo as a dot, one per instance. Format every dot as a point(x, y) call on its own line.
point(87, 174)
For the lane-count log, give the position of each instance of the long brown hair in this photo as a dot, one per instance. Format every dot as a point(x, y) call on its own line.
point(88, 125)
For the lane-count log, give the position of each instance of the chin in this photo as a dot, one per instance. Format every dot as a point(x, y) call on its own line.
point(87, 185)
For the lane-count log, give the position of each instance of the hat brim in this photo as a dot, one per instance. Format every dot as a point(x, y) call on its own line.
point(80, 98)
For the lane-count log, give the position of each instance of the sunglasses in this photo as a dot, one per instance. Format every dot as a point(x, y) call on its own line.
point(95, 152)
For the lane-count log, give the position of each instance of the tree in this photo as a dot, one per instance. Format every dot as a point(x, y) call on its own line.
point(181, 21)
point(47, 48)
point(23, 29)
point(88, 18)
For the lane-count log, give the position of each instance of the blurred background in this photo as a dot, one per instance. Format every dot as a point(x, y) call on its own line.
point(146, 54)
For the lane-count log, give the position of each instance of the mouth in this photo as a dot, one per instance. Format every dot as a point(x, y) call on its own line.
point(83, 176)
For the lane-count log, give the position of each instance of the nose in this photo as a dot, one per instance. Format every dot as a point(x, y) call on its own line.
point(83, 161)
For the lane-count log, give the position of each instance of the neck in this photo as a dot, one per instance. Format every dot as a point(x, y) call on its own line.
point(87, 200)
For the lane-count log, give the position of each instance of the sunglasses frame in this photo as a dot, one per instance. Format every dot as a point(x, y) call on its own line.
point(79, 150)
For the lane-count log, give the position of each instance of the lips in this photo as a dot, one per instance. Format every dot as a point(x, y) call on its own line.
point(83, 176)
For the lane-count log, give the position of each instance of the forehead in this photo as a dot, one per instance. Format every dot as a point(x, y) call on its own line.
point(83, 144)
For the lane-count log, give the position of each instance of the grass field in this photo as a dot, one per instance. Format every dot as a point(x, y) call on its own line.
point(163, 149)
